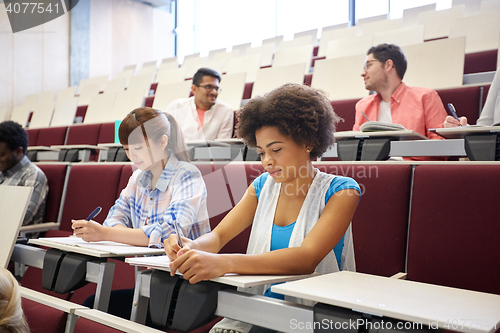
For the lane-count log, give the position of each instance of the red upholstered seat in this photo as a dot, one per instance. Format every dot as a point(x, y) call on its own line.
point(56, 175)
point(51, 136)
point(225, 187)
point(149, 101)
point(480, 62)
point(247, 93)
point(345, 109)
point(154, 86)
point(380, 222)
point(81, 111)
point(127, 171)
point(107, 133)
point(454, 227)
point(465, 100)
point(308, 79)
point(84, 325)
point(83, 134)
point(89, 186)
point(43, 318)
point(315, 58)
point(124, 278)
point(32, 136)
point(32, 279)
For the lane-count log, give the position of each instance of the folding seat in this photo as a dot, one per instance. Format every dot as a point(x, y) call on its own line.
point(42, 114)
point(106, 133)
point(226, 186)
point(168, 92)
point(350, 85)
point(65, 112)
point(294, 55)
point(84, 325)
point(335, 32)
point(345, 109)
point(43, 318)
point(401, 36)
point(56, 176)
point(410, 15)
point(232, 86)
point(99, 108)
point(20, 114)
point(51, 136)
point(32, 136)
point(480, 62)
point(90, 321)
point(480, 31)
point(380, 223)
point(453, 232)
point(268, 79)
point(465, 99)
point(87, 134)
point(444, 56)
point(83, 134)
point(437, 23)
point(89, 185)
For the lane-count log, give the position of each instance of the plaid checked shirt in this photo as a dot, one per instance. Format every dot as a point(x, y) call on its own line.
point(180, 190)
point(26, 173)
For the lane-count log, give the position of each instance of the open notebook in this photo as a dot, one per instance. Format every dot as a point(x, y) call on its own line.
point(377, 126)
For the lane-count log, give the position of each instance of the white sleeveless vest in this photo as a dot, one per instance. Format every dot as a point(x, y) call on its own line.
point(314, 203)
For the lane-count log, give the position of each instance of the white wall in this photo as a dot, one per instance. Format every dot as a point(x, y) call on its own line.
point(125, 32)
point(32, 61)
point(122, 32)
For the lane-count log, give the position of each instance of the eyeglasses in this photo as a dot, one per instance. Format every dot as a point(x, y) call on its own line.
point(209, 87)
point(368, 64)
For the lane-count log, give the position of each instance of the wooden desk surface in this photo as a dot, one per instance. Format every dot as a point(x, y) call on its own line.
point(448, 308)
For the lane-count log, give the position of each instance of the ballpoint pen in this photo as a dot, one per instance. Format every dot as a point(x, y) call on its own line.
point(454, 113)
point(94, 213)
point(364, 115)
point(177, 230)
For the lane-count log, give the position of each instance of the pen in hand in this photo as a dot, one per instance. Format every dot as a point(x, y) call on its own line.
point(454, 113)
point(364, 115)
point(177, 231)
point(94, 213)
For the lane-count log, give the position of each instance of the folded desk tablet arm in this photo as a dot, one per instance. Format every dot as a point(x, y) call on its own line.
point(90, 260)
point(230, 303)
point(370, 146)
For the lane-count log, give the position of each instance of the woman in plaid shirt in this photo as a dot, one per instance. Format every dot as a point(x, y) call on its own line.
point(166, 189)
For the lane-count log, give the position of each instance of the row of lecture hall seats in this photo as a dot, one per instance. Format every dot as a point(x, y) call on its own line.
point(111, 106)
point(338, 77)
point(468, 100)
point(423, 219)
point(447, 53)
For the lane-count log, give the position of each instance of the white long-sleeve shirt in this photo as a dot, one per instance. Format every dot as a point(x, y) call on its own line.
point(491, 110)
point(217, 123)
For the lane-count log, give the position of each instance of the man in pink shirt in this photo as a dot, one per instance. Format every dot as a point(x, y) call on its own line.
point(418, 109)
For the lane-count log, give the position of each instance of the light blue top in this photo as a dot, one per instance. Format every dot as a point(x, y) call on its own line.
point(280, 236)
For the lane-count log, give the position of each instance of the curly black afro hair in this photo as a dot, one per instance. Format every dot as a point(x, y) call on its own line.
point(301, 112)
point(13, 135)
